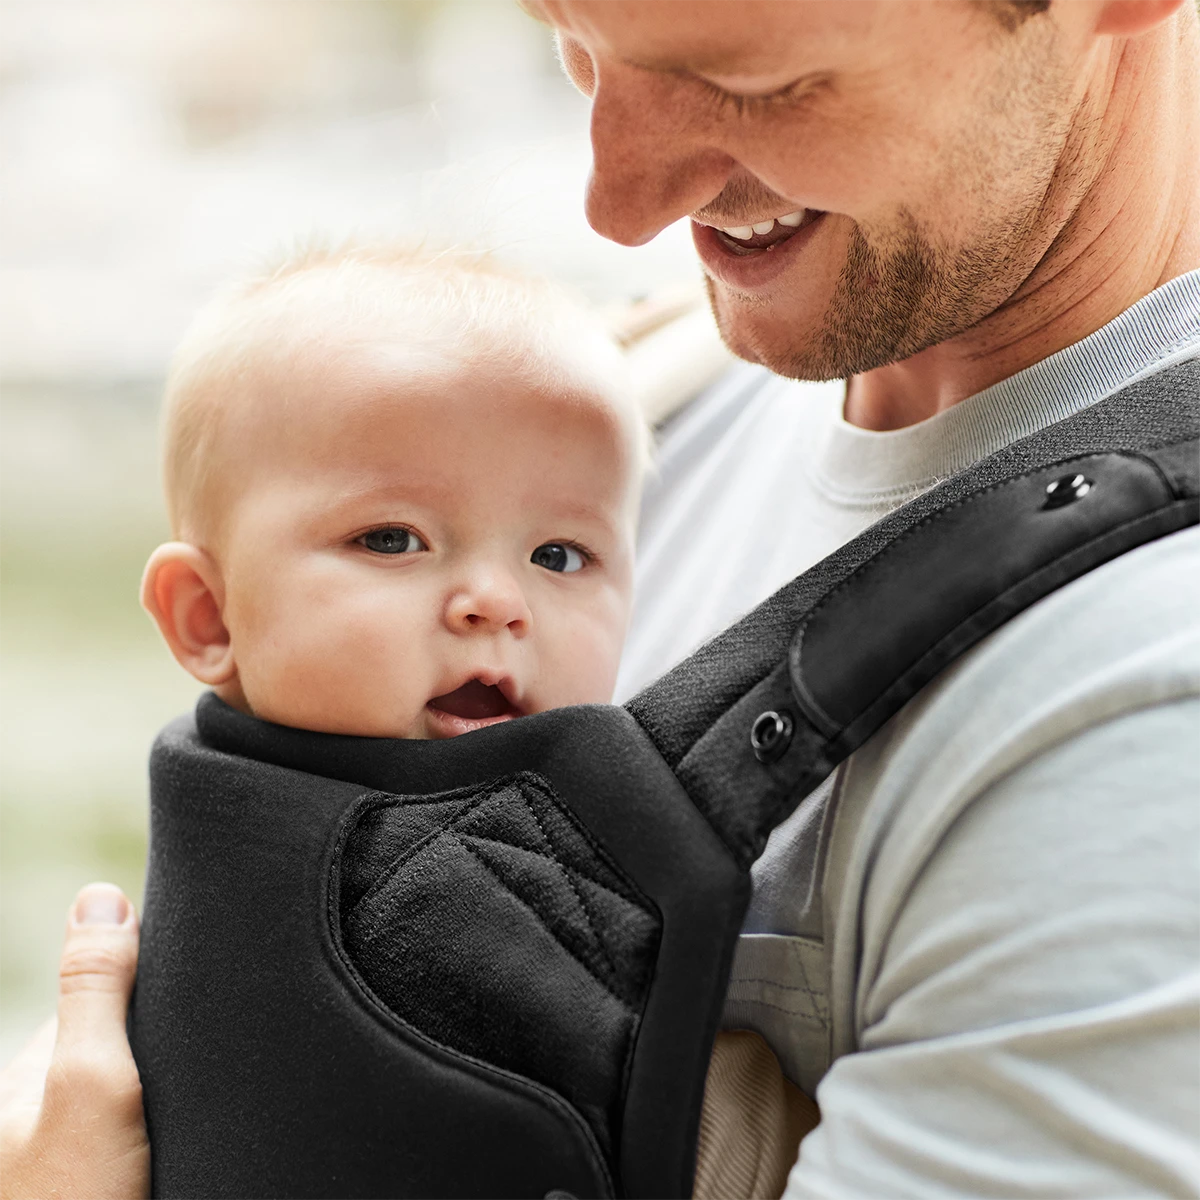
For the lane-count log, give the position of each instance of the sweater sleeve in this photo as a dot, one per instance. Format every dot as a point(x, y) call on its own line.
point(1033, 1026)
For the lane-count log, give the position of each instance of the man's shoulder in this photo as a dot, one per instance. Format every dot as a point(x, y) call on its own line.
point(1120, 638)
point(1077, 668)
point(1014, 855)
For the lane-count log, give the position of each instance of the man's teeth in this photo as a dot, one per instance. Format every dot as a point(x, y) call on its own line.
point(743, 232)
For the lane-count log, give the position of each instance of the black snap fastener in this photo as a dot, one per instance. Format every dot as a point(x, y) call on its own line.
point(1066, 490)
point(770, 735)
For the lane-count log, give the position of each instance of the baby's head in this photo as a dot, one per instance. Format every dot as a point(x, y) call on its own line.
point(403, 489)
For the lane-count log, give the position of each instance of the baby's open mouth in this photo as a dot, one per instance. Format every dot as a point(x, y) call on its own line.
point(475, 701)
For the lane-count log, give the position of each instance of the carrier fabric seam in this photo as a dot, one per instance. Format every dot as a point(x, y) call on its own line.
point(587, 912)
point(479, 837)
point(388, 873)
point(390, 800)
point(530, 1088)
point(625, 1004)
point(389, 905)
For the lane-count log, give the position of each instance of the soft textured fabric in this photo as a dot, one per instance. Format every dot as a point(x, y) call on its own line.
point(488, 919)
point(752, 1122)
point(496, 950)
point(994, 1096)
point(1013, 908)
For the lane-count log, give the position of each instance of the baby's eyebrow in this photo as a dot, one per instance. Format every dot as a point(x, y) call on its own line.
point(583, 511)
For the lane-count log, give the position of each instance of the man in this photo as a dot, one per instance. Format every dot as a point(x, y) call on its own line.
point(983, 215)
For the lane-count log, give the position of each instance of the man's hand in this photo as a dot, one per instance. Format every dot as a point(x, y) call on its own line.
point(71, 1122)
point(752, 1122)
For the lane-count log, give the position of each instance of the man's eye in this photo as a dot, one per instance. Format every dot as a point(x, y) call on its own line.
point(557, 556)
point(392, 541)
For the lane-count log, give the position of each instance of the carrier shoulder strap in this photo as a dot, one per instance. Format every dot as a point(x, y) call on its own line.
point(759, 716)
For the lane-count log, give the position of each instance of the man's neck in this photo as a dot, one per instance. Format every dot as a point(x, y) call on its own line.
point(1134, 228)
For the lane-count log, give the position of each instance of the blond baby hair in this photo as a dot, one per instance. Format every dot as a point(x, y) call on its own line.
point(267, 317)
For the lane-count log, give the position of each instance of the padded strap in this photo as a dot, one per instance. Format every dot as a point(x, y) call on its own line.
point(917, 594)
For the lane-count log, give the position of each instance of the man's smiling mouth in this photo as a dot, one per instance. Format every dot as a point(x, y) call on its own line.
point(763, 235)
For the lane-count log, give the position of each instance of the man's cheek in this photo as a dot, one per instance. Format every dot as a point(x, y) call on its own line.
point(825, 177)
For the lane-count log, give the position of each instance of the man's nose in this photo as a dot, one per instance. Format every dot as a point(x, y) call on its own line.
point(651, 161)
point(488, 601)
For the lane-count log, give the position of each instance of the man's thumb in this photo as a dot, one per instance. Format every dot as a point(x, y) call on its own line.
point(98, 964)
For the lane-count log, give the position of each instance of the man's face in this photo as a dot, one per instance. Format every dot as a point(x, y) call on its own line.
point(915, 148)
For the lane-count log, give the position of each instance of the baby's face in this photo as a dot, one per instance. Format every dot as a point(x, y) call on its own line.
point(418, 548)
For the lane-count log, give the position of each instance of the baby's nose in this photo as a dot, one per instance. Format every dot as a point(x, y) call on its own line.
point(490, 602)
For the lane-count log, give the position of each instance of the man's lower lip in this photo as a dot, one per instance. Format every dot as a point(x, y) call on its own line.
point(749, 272)
point(447, 725)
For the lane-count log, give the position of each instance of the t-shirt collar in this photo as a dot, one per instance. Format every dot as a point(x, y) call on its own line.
point(862, 467)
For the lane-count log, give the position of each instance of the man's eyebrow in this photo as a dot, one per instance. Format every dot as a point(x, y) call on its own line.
point(718, 62)
point(747, 59)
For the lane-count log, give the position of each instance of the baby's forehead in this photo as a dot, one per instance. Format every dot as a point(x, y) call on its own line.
point(347, 357)
point(452, 316)
point(335, 334)
point(395, 390)
point(377, 431)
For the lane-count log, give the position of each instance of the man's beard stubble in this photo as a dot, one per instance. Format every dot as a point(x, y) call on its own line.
point(887, 305)
point(900, 290)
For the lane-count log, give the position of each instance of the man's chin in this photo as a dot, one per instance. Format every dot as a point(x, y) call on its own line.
point(785, 339)
point(852, 312)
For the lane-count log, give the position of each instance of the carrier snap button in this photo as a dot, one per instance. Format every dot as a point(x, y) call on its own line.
point(1066, 490)
point(770, 735)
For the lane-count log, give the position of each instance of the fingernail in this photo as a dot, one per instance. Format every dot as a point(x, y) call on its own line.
point(101, 904)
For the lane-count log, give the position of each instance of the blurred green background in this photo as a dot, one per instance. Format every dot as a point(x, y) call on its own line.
point(149, 148)
point(84, 682)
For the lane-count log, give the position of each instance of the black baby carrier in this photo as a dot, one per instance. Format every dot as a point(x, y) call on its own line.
point(494, 966)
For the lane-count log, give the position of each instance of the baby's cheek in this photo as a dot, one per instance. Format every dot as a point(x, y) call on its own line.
point(329, 678)
point(586, 658)
point(322, 646)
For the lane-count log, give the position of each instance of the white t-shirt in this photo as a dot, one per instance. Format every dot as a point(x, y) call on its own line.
point(1012, 900)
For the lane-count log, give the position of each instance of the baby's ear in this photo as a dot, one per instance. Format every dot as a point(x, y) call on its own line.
point(183, 592)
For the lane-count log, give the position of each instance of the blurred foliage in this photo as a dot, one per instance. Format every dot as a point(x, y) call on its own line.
point(64, 602)
point(84, 680)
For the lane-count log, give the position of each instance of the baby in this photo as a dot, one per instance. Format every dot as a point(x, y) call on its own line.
point(403, 489)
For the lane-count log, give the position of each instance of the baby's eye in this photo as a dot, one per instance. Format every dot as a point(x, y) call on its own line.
point(393, 540)
point(557, 556)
